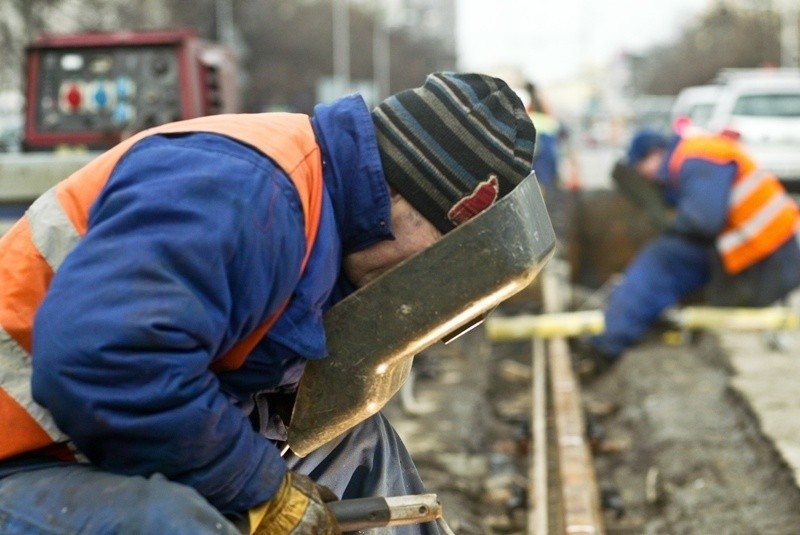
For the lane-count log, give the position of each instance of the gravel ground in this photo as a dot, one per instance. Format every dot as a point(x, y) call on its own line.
point(469, 433)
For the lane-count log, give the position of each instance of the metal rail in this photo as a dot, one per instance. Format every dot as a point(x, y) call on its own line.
point(538, 509)
point(578, 483)
point(25, 176)
point(563, 497)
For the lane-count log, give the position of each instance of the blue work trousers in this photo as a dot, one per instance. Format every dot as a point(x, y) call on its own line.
point(369, 460)
point(666, 270)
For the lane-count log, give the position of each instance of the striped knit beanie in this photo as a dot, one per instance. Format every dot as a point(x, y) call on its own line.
point(455, 145)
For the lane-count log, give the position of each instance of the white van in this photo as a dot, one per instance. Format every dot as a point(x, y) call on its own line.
point(764, 110)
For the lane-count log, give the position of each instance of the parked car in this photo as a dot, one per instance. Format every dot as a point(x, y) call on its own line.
point(696, 104)
point(653, 111)
point(764, 111)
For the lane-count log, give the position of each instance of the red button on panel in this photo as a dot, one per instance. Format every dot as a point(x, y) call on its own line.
point(73, 96)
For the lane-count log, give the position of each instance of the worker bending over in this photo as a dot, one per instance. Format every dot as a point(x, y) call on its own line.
point(734, 228)
point(156, 303)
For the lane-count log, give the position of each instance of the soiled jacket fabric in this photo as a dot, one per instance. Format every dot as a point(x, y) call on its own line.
point(194, 241)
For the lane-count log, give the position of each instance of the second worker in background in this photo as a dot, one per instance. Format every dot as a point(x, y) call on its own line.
point(733, 231)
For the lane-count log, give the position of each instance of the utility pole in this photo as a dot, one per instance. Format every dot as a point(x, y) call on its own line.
point(224, 18)
point(790, 40)
point(381, 55)
point(341, 46)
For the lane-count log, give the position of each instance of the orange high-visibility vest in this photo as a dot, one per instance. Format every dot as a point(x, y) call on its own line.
point(761, 215)
point(33, 249)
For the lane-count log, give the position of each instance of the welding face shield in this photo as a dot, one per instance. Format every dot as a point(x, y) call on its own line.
point(374, 333)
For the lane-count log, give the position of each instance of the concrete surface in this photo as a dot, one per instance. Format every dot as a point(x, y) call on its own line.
point(766, 378)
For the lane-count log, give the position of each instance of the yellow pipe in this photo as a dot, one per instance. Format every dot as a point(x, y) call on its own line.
point(737, 319)
point(557, 324)
point(566, 324)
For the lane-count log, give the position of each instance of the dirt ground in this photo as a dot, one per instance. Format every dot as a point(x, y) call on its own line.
point(684, 452)
point(678, 454)
point(468, 437)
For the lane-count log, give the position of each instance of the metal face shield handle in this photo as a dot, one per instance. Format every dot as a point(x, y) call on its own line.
point(467, 327)
point(374, 333)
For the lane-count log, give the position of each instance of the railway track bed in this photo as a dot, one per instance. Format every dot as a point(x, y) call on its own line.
point(682, 452)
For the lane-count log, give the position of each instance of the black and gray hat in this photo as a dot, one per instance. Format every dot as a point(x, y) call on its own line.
point(455, 145)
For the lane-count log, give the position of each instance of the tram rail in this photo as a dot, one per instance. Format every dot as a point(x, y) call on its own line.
point(563, 490)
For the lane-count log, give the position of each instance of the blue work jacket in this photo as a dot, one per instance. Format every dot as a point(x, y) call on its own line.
point(207, 226)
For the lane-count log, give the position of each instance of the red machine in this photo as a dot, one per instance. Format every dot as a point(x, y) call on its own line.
point(94, 89)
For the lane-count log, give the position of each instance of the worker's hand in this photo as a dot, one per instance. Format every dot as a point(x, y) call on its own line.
point(298, 508)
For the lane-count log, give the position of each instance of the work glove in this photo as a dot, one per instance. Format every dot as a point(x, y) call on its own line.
point(298, 508)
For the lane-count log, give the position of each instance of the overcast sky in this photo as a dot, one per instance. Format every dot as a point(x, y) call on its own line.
point(550, 40)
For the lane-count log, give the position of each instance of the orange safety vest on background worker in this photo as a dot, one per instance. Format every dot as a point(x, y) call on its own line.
point(761, 215)
point(55, 223)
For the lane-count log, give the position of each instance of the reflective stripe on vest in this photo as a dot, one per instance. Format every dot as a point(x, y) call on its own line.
point(761, 216)
point(764, 219)
point(34, 248)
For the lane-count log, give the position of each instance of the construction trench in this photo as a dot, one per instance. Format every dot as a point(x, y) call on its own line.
point(676, 439)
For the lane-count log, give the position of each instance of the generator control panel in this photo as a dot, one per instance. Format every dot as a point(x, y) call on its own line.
point(93, 90)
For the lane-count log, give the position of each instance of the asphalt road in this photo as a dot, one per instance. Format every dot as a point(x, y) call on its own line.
point(594, 165)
